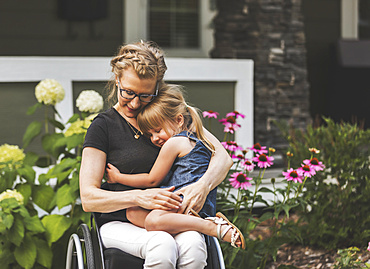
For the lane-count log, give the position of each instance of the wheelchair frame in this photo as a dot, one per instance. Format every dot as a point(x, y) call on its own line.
point(85, 250)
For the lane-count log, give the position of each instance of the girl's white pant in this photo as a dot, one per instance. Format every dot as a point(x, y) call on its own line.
point(160, 250)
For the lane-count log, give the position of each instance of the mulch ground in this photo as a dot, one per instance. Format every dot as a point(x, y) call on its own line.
point(306, 257)
point(301, 256)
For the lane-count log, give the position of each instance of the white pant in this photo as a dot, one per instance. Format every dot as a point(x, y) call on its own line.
point(160, 250)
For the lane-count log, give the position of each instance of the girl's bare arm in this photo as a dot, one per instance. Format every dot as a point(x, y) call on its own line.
point(94, 199)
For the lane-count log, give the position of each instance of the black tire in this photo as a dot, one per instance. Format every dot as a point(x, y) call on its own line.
point(87, 245)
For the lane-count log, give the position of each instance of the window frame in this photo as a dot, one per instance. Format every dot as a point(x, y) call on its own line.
point(67, 70)
point(349, 19)
point(135, 25)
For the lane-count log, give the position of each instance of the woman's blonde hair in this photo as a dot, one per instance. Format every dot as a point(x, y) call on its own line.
point(164, 111)
point(146, 58)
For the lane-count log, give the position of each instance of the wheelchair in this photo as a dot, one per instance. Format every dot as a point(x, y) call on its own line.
point(85, 250)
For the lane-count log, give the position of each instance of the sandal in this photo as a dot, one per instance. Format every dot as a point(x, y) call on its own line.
point(220, 220)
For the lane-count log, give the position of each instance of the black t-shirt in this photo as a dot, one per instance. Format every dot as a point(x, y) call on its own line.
point(110, 133)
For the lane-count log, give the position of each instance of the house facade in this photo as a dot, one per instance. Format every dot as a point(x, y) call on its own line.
point(289, 45)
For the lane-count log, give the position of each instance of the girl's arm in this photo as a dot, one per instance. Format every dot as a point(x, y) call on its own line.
point(94, 199)
point(195, 194)
point(170, 150)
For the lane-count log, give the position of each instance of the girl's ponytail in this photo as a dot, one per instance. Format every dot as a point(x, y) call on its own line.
point(197, 125)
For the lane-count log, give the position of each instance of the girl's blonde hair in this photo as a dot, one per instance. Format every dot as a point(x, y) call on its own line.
point(164, 110)
point(145, 57)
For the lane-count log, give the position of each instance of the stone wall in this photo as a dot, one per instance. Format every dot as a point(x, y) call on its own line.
point(270, 32)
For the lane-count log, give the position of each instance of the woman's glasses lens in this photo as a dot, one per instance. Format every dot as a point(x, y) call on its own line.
point(131, 95)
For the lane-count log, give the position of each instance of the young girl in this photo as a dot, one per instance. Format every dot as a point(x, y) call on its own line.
point(184, 157)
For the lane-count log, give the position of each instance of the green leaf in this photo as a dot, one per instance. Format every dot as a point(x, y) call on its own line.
point(34, 224)
point(56, 124)
point(43, 178)
point(75, 182)
point(64, 196)
point(32, 131)
point(26, 253)
point(33, 108)
point(44, 161)
point(55, 226)
point(63, 175)
point(6, 219)
point(26, 190)
point(75, 140)
point(28, 173)
point(53, 144)
point(266, 216)
point(73, 118)
point(264, 189)
point(16, 233)
point(31, 158)
point(44, 253)
point(6, 257)
point(65, 164)
point(43, 196)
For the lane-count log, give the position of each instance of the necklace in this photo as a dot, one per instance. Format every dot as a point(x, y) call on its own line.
point(137, 134)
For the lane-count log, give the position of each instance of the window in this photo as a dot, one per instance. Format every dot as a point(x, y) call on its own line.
point(364, 19)
point(355, 19)
point(174, 24)
point(182, 27)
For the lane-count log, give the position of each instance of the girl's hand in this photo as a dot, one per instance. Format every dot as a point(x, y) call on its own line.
point(158, 198)
point(194, 197)
point(112, 173)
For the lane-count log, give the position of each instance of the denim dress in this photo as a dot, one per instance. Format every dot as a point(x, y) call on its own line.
point(189, 168)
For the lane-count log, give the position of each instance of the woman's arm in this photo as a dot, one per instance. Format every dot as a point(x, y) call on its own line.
point(94, 199)
point(170, 150)
point(195, 194)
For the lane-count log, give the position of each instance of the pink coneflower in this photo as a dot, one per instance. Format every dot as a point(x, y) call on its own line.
point(258, 148)
point(240, 180)
point(263, 161)
point(307, 170)
point(230, 124)
point(210, 114)
point(238, 157)
point(231, 145)
point(231, 129)
point(249, 165)
point(315, 163)
point(235, 114)
point(293, 175)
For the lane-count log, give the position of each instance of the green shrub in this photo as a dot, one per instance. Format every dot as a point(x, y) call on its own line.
point(245, 187)
point(47, 182)
point(338, 200)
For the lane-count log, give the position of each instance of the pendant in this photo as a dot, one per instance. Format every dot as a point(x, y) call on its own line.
point(136, 136)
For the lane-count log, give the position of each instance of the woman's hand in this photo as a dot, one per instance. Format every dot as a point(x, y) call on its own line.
point(157, 198)
point(194, 197)
point(112, 173)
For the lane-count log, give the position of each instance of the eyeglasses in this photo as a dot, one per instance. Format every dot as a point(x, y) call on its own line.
point(128, 94)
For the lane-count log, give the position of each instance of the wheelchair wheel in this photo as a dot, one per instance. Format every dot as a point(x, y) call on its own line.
point(75, 258)
point(80, 253)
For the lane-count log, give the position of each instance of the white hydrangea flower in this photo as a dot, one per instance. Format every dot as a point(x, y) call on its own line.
point(49, 92)
point(10, 153)
point(12, 194)
point(90, 101)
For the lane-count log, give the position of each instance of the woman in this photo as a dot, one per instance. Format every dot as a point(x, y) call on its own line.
point(114, 138)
